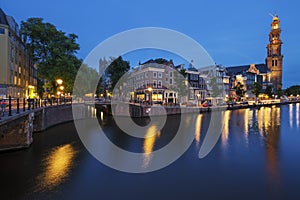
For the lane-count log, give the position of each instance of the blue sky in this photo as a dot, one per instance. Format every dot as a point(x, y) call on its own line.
point(234, 32)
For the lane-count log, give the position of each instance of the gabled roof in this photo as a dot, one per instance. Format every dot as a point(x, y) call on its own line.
point(3, 19)
point(262, 68)
point(244, 68)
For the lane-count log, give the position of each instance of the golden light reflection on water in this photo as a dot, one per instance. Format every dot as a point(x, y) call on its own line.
point(260, 116)
point(291, 114)
point(297, 115)
point(101, 116)
point(246, 123)
point(57, 166)
point(151, 135)
point(198, 128)
point(225, 132)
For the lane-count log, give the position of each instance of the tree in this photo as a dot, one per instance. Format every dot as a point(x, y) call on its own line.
point(257, 89)
point(52, 51)
point(239, 90)
point(216, 88)
point(116, 70)
point(293, 90)
point(180, 86)
point(269, 91)
point(86, 81)
point(279, 92)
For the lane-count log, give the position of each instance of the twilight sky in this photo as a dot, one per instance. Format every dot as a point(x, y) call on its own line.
point(233, 32)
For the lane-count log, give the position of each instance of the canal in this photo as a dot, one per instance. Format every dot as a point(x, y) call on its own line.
point(256, 157)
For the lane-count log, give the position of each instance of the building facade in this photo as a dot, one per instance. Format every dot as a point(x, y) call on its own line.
point(217, 82)
point(247, 75)
point(153, 82)
point(268, 74)
point(18, 76)
point(274, 56)
point(197, 85)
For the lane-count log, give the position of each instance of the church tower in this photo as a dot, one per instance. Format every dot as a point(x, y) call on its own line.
point(274, 58)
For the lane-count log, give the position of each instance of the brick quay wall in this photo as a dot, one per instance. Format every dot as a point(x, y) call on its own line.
point(17, 131)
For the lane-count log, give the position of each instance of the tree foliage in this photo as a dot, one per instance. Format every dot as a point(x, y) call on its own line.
point(269, 91)
point(257, 89)
point(116, 70)
point(293, 90)
point(216, 89)
point(52, 51)
point(86, 81)
point(180, 83)
point(239, 90)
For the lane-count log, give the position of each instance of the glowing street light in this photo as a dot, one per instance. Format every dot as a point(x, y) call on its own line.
point(150, 96)
point(59, 81)
point(60, 88)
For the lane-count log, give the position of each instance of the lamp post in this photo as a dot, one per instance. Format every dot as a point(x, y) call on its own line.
point(150, 95)
point(59, 82)
point(198, 99)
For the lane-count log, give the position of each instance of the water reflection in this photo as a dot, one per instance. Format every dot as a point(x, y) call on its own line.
point(297, 115)
point(151, 135)
point(266, 122)
point(57, 167)
point(198, 129)
point(225, 132)
point(247, 118)
point(291, 114)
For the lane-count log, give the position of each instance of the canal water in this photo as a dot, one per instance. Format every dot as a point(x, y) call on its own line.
point(256, 157)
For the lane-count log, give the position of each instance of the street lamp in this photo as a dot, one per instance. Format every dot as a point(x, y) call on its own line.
point(59, 82)
point(150, 96)
point(198, 99)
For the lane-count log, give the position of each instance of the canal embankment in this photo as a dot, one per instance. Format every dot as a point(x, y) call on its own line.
point(16, 132)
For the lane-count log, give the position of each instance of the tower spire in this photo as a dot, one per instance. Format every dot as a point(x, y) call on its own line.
point(274, 57)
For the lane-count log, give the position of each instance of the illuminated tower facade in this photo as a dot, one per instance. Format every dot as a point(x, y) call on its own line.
point(274, 58)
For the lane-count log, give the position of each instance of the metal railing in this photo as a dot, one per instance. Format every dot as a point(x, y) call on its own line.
point(10, 106)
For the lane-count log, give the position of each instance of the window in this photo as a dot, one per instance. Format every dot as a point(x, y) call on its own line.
point(171, 74)
point(159, 83)
point(154, 74)
point(147, 83)
point(154, 83)
point(146, 74)
point(2, 31)
point(171, 81)
point(159, 75)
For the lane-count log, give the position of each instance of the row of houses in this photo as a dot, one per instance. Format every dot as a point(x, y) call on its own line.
point(163, 82)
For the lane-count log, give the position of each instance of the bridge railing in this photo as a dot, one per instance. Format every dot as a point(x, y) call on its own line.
point(14, 106)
